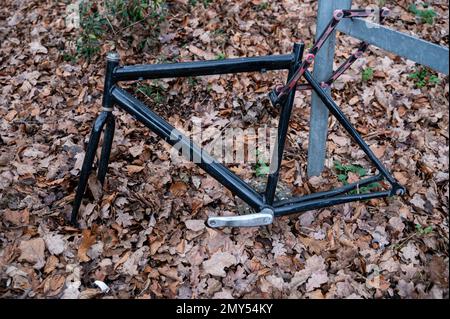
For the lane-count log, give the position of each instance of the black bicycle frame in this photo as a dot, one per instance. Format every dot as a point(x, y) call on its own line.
point(265, 202)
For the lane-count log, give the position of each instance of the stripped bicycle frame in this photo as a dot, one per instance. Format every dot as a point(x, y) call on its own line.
point(282, 97)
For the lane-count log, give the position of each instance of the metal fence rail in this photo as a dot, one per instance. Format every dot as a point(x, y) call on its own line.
point(407, 46)
point(434, 56)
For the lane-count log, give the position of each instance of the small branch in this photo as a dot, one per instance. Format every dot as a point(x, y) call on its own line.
point(134, 23)
point(110, 24)
point(403, 242)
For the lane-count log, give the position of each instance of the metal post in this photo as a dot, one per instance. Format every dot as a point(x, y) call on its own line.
point(323, 68)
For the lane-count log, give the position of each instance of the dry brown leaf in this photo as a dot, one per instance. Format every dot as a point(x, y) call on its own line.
point(218, 88)
point(154, 246)
point(16, 217)
point(401, 178)
point(37, 47)
point(378, 282)
point(439, 271)
point(171, 273)
point(136, 150)
point(216, 264)
point(354, 100)
point(397, 223)
point(195, 224)
point(53, 285)
point(340, 140)
point(201, 53)
point(316, 280)
point(89, 293)
point(50, 265)
point(95, 187)
point(33, 251)
point(378, 150)
point(133, 169)
point(352, 177)
point(11, 115)
point(178, 188)
point(88, 239)
point(55, 243)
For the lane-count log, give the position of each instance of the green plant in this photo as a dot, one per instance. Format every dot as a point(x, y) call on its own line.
point(68, 57)
point(106, 20)
point(420, 230)
point(192, 81)
point(92, 29)
point(261, 167)
point(425, 15)
point(342, 176)
point(262, 6)
point(367, 74)
point(154, 91)
point(220, 56)
point(204, 2)
point(423, 77)
point(132, 11)
point(344, 169)
point(218, 32)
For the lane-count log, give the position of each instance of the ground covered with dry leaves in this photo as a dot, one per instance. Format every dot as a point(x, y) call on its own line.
point(143, 234)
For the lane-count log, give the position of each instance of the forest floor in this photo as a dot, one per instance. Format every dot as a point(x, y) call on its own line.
point(143, 233)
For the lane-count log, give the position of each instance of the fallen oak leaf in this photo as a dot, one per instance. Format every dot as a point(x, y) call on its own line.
point(406, 289)
point(352, 177)
point(396, 223)
point(132, 169)
point(378, 150)
point(87, 241)
point(72, 290)
point(89, 293)
point(215, 266)
point(417, 201)
point(55, 243)
point(15, 217)
point(155, 244)
point(178, 188)
point(53, 285)
point(136, 150)
point(123, 259)
point(402, 179)
point(33, 251)
point(410, 252)
point(11, 115)
point(439, 271)
point(36, 48)
point(316, 279)
point(195, 224)
point(201, 53)
point(95, 187)
point(218, 88)
point(171, 273)
point(378, 282)
point(340, 140)
point(51, 264)
point(124, 219)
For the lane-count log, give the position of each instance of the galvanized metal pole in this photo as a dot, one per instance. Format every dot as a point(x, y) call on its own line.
point(323, 67)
